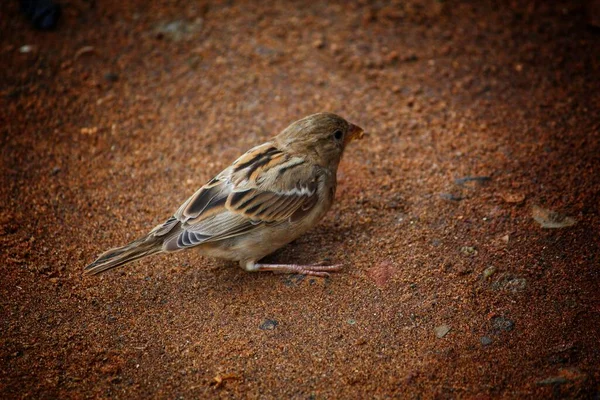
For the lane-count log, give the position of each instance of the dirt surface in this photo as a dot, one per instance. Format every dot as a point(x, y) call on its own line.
point(482, 115)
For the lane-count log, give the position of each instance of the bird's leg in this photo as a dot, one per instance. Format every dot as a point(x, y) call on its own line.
point(311, 270)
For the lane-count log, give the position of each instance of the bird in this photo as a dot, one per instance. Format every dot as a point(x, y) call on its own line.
point(271, 195)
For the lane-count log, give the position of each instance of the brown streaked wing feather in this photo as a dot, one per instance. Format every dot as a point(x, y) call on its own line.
point(234, 203)
point(254, 156)
point(210, 196)
point(254, 162)
point(272, 206)
point(275, 212)
point(303, 211)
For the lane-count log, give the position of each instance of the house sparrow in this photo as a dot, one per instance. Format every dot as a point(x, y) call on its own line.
point(268, 197)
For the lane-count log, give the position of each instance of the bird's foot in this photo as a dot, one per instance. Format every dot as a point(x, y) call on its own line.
point(311, 270)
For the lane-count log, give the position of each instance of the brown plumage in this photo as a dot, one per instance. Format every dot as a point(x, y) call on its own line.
point(268, 197)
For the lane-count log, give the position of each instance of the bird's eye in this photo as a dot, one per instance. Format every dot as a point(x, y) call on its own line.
point(338, 135)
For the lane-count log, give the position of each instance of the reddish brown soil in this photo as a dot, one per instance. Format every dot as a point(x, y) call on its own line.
point(100, 144)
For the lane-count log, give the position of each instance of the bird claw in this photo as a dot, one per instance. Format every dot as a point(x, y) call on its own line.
point(309, 270)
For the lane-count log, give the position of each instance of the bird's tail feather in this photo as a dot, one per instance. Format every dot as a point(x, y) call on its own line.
point(118, 256)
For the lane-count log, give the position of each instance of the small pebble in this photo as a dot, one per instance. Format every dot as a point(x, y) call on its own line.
point(486, 340)
point(477, 179)
point(502, 324)
point(441, 331)
point(111, 77)
point(513, 198)
point(551, 219)
point(468, 250)
point(85, 50)
point(268, 325)
point(516, 285)
point(489, 271)
point(555, 380)
point(450, 197)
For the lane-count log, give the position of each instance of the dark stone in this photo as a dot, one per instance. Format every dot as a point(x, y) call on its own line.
point(502, 324)
point(268, 325)
point(111, 77)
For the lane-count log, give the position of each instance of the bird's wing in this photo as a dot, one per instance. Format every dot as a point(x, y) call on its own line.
point(264, 186)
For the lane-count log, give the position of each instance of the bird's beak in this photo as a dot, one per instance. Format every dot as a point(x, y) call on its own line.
point(354, 133)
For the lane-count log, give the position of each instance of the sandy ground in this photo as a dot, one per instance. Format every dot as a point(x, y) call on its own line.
point(479, 112)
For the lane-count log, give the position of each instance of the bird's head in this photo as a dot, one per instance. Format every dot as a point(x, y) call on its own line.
point(321, 138)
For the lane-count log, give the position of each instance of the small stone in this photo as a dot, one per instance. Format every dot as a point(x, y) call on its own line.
point(555, 380)
point(489, 271)
point(451, 197)
point(441, 331)
point(391, 57)
point(486, 340)
point(502, 324)
point(268, 325)
point(111, 77)
point(26, 49)
point(85, 50)
point(468, 250)
point(318, 43)
point(516, 285)
point(510, 283)
point(550, 219)
point(89, 131)
point(476, 179)
point(178, 29)
point(351, 321)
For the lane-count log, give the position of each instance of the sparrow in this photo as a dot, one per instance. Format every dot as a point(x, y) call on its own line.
point(268, 197)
